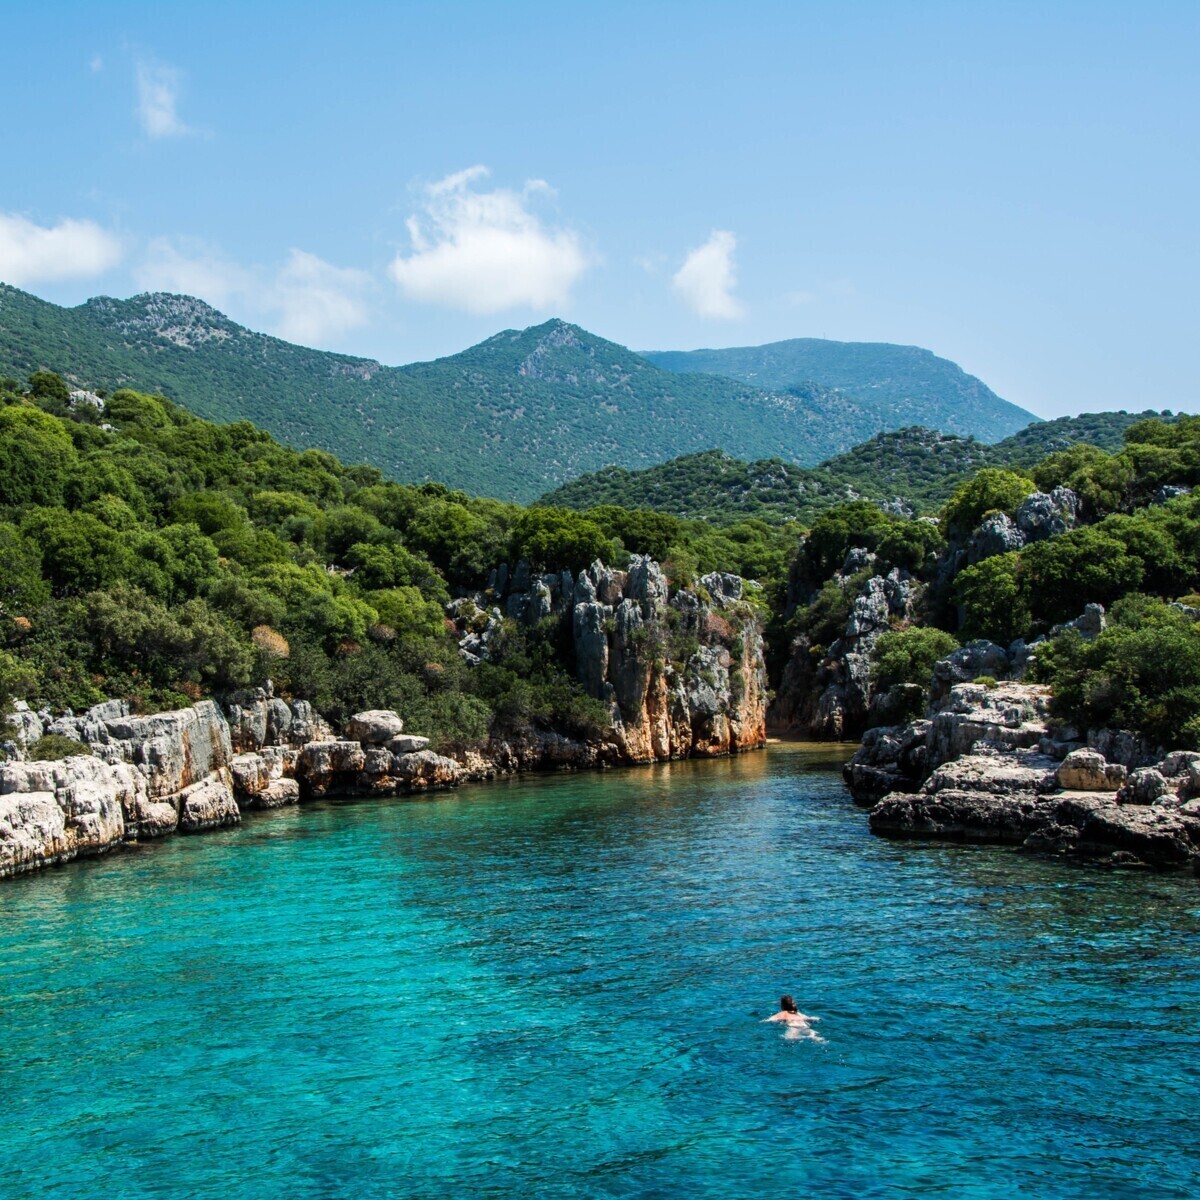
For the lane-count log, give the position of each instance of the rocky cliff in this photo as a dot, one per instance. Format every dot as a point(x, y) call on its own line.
point(194, 769)
point(680, 672)
point(826, 692)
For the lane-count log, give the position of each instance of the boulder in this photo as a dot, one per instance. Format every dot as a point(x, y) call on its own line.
point(375, 727)
point(278, 793)
point(1043, 515)
point(965, 664)
point(1087, 771)
point(407, 743)
point(208, 804)
point(424, 769)
point(251, 775)
point(998, 534)
point(1144, 786)
point(322, 763)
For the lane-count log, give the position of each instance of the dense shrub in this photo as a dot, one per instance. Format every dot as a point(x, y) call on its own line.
point(1142, 672)
point(908, 655)
point(54, 746)
point(991, 490)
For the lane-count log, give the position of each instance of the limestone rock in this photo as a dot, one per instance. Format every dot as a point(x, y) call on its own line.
point(375, 727)
point(251, 775)
point(1043, 515)
point(1144, 786)
point(278, 793)
point(208, 804)
point(965, 664)
point(424, 769)
point(1086, 771)
point(407, 743)
point(998, 534)
point(321, 763)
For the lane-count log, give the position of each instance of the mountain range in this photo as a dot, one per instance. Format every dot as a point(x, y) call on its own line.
point(523, 411)
point(914, 469)
point(899, 386)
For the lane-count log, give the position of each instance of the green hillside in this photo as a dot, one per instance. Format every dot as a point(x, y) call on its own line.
point(516, 414)
point(898, 385)
point(919, 466)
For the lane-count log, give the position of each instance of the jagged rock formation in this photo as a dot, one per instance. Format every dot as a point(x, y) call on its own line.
point(989, 766)
point(192, 770)
point(681, 673)
point(828, 694)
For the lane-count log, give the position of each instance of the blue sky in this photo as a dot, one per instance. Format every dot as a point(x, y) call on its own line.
point(1014, 186)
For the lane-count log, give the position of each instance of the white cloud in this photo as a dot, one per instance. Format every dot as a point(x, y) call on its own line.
point(158, 95)
point(316, 299)
point(31, 253)
point(307, 300)
point(487, 251)
point(192, 268)
point(707, 278)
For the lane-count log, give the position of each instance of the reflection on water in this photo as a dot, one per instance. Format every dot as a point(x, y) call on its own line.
point(555, 987)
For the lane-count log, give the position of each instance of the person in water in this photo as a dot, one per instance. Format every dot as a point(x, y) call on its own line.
point(798, 1024)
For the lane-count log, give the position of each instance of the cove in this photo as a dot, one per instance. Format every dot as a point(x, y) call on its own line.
point(552, 987)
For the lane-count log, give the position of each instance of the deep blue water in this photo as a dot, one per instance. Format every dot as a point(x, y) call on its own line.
point(553, 988)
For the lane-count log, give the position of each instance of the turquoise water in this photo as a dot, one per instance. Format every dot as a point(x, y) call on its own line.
point(552, 988)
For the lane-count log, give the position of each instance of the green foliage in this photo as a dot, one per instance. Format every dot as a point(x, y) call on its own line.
point(987, 681)
point(1140, 673)
point(46, 385)
point(36, 456)
point(551, 537)
point(992, 601)
point(1086, 565)
point(54, 746)
point(908, 655)
point(991, 490)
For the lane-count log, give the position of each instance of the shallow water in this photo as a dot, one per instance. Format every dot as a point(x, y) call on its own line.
point(553, 988)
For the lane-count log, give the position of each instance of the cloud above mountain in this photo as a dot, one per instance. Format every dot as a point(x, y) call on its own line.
point(72, 249)
point(707, 279)
point(306, 300)
point(484, 251)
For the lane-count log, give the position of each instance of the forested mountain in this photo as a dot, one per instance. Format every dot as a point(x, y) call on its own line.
point(898, 385)
point(518, 413)
point(920, 467)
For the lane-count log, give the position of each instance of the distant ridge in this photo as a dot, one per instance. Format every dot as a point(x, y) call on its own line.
point(900, 385)
point(510, 417)
point(914, 469)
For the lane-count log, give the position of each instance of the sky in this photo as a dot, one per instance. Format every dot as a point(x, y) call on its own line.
point(1015, 187)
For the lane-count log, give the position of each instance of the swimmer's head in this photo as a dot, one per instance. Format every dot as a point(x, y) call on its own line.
point(787, 1004)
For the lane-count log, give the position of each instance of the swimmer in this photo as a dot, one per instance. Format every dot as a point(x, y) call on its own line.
point(798, 1024)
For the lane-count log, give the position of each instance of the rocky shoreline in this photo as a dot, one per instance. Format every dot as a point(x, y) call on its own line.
point(989, 766)
point(201, 767)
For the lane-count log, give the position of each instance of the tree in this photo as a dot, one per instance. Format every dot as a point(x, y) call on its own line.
point(36, 457)
point(990, 490)
point(991, 599)
point(908, 655)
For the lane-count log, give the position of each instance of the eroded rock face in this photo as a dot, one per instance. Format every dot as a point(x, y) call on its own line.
point(1043, 515)
point(51, 812)
point(679, 675)
point(828, 695)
